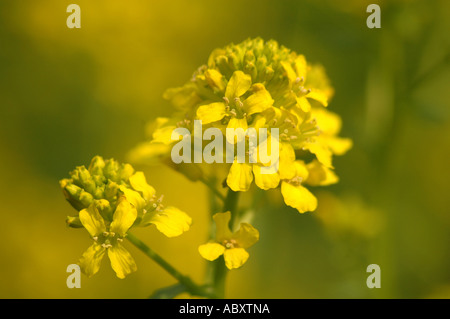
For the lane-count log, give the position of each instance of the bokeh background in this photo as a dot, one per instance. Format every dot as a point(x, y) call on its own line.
point(67, 95)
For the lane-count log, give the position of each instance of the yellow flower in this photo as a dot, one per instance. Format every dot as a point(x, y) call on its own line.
point(294, 193)
point(258, 99)
point(296, 72)
point(320, 175)
point(108, 238)
point(169, 220)
point(327, 143)
point(231, 245)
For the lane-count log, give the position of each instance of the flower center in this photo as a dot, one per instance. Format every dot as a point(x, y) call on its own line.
point(107, 239)
point(296, 181)
point(235, 107)
point(230, 243)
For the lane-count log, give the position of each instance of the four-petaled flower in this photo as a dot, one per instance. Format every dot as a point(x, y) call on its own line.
point(232, 106)
point(231, 245)
point(108, 238)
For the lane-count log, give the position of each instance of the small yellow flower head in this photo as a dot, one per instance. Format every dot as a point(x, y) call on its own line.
point(106, 183)
point(231, 245)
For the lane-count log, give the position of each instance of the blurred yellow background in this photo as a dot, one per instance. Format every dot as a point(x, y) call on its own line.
point(69, 94)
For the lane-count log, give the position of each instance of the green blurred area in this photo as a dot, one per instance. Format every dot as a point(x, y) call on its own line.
point(67, 95)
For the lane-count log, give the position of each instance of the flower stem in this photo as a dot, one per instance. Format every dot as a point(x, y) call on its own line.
point(191, 287)
point(220, 271)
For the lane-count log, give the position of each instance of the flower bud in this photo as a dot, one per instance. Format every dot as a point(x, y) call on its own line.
point(96, 166)
point(74, 222)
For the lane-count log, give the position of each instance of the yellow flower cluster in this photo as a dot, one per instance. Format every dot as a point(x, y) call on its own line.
point(258, 84)
point(110, 199)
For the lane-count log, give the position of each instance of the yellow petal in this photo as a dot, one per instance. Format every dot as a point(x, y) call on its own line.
point(338, 145)
point(286, 167)
point(124, 217)
point(292, 76)
point(157, 123)
point(92, 220)
point(238, 85)
point(121, 261)
point(183, 98)
point(300, 170)
point(267, 152)
point(330, 123)
point(139, 183)
point(246, 236)
point(265, 181)
point(298, 197)
point(259, 101)
point(320, 175)
point(240, 177)
point(211, 251)
point(163, 135)
point(222, 221)
point(319, 96)
point(237, 135)
point(301, 66)
point(215, 79)
point(303, 104)
point(210, 113)
point(133, 197)
point(235, 257)
point(259, 121)
point(322, 153)
point(171, 222)
point(149, 153)
point(91, 259)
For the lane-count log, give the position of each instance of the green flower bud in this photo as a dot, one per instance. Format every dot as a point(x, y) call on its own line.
point(99, 184)
point(125, 171)
point(75, 195)
point(96, 166)
point(74, 222)
point(105, 209)
point(111, 169)
point(111, 189)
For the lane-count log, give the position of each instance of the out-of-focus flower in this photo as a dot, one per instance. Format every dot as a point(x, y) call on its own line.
point(106, 182)
point(231, 245)
point(349, 215)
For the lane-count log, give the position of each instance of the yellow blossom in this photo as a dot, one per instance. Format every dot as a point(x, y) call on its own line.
point(108, 239)
point(294, 193)
point(231, 245)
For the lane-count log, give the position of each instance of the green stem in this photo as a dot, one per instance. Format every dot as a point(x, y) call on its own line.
point(219, 271)
point(230, 205)
point(191, 287)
